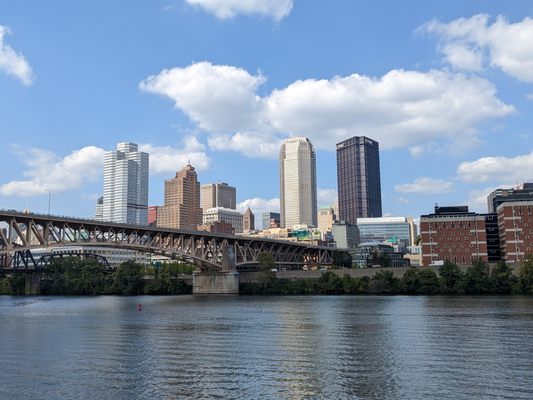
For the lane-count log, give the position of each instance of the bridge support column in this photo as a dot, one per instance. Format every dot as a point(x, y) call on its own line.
point(225, 282)
point(32, 284)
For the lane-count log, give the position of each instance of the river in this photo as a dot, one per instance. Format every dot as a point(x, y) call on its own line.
point(338, 347)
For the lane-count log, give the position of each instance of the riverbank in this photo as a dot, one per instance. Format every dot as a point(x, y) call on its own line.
point(448, 279)
point(85, 277)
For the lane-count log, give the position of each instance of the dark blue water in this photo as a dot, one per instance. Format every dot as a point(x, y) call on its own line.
point(266, 347)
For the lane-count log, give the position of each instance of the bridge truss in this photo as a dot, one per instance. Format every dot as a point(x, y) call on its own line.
point(21, 232)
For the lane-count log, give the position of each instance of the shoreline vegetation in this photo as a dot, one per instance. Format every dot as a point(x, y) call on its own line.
point(73, 276)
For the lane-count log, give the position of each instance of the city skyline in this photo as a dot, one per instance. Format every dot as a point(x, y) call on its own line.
point(61, 113)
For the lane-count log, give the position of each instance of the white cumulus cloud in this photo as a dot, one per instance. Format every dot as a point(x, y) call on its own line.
point(425, 185)
point(169, 159)
point(472, 43)
point(45, 171)
point(400, 109)
point(216, 97)
point(497, 169)
point(13, 63)
point(225, 9)
point(259, 206)
point(252, 144)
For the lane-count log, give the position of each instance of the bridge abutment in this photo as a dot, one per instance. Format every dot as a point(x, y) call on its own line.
point(224, 282)
point(33, 284)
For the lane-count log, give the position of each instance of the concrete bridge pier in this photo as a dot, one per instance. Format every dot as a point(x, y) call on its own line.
point(225, 281)
point(32, 284)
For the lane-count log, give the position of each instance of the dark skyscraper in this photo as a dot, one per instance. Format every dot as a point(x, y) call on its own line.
point(358, 179)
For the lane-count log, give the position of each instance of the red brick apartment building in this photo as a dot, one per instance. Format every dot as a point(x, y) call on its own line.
point(454, 234)
point(515, 223)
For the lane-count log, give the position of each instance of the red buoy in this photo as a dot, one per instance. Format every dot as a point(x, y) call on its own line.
point(139, 307)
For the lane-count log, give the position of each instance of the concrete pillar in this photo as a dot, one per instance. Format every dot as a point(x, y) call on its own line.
point(32, 284)
point(213, 282)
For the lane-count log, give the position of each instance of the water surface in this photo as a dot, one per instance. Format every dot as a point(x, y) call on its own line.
point(368, 347)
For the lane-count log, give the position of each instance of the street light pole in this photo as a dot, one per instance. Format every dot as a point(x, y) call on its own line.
point(49, 200)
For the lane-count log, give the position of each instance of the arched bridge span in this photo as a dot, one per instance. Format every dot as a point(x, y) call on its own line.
point(208, 251)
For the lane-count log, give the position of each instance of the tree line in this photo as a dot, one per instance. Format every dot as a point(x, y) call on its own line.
point(74, 276)
point(450, 279)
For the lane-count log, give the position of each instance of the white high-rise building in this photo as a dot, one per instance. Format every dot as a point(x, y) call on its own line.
point(298, 196)
point(126, 185)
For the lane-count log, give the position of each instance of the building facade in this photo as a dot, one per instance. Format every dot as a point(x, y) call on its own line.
point(523, 192)
point(152, 214)
point(126, 185)
point(182, 201)
point(453, 234)
point(270, 220)
point(248, 220)
point(230, 216)
point(218, 195)
point(392, 229)
point(298, 193)
point(326, 218)
point(358, 179)
point(99, 212)
point(346, 235)
point(218, 227)
point(515, 223)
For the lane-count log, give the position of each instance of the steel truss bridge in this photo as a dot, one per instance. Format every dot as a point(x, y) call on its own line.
point(20, 233)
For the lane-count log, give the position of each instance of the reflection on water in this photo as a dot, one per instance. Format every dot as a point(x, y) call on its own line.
point(368, 347)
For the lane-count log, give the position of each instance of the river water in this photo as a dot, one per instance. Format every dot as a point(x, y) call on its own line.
point(367, 347)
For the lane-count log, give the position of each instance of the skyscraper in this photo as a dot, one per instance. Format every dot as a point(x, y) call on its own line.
point(218, 195)
point(182, 201)
point(298, 196)
point(358, 178)
point(248, 220)
point(126, 185)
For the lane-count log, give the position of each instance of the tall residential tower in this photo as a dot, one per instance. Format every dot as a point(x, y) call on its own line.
point(126, 185)
point(358, 178)
point(297, 162)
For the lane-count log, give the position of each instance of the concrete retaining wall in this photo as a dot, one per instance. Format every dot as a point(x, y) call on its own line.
point(215, 282)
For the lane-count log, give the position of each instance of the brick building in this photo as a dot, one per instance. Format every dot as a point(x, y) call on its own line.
point(457, 235)
point(515, 223)
point(182, 201)
point(217, 227)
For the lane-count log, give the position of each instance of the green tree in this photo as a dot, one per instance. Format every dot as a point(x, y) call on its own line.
point(477, 278)
point(525, 275)
point(266, 263)
point(127, 279)
point(427, 282)
point(383, 282)
point(342, 259)
point(330, 283)
point(452, 279)
point(408, 283)
point(502, 280)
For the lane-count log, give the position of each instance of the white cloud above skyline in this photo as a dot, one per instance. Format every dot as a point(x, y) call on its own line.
point(13, 63)
point(259, 206)
point(169, 159)
point(226, 9)
point(497, 169)
point(401, 109)
point(426, 185)
point(45, 171)
point(474, 43)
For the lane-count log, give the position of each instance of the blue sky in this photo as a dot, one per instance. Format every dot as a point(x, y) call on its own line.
point(446, 87)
